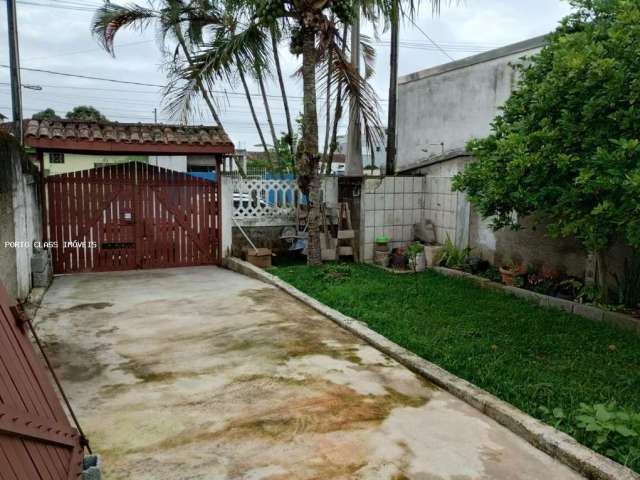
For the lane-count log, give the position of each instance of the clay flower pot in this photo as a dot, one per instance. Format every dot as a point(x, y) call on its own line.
point(509, 275)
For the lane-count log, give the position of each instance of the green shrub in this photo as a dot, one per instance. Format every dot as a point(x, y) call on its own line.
point(452, 256)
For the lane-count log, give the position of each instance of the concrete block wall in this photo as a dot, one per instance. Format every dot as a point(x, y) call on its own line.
point(390, 206)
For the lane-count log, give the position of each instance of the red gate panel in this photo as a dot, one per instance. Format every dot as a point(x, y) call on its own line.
point(129, 216)
point(36, 438)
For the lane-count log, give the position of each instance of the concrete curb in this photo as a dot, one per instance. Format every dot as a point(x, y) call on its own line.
point(586, 311)
point(551, 441)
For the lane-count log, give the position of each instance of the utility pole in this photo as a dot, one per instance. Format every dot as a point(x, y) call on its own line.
point(393, 89)
point(14, 65)
point(354, 140)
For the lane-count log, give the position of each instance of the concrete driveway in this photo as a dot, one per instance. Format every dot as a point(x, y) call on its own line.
point(201, 373)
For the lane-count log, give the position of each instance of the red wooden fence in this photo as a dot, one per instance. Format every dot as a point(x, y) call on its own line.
point(129, 216)
point(37, 441)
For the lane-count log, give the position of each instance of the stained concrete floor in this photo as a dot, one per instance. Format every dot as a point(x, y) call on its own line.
point(202, 373)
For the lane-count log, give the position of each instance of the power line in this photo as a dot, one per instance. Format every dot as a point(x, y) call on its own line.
point(86, 51)
point(143, 84)
point(61, 6)
point(432, 40)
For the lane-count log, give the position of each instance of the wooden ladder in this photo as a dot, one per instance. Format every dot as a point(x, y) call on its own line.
point(346, 234)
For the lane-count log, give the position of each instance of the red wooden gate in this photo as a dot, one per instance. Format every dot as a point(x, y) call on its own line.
point(37, 441)
point(129, 216)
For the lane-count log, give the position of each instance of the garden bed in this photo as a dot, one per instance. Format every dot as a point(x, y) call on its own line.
point(549, 363)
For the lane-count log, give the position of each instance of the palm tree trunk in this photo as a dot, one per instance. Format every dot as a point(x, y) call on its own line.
point(253, 111)
point(325, 151)
point(283, 92)
point(205, 94)
point(267, 110)
point(309, 179)
point(338, 113)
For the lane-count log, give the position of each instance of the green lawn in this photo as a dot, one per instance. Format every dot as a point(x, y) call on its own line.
point(532, 357)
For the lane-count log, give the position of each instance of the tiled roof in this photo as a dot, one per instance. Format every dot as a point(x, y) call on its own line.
point(75, 135)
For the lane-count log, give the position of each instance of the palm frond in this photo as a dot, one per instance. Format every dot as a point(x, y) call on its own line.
point(219, 59)
point(110, 18)
point(357, 92)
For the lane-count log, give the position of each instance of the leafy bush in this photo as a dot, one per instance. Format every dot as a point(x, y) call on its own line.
point(565, 147)
point(604, 427)
point(452, 256)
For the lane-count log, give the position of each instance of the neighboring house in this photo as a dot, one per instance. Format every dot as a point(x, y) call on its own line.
point(439, 110)
point(56, 163)
point(379, 158)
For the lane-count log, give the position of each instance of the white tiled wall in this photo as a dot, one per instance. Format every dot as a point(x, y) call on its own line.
point(441, 206)
point(390, 206)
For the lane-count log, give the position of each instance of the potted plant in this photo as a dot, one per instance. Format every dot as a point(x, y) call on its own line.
point(398, 259)
point(415, 257)
point(510, 271)
point(381, 250)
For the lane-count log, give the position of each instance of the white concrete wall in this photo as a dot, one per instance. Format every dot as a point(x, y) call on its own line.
point(226, 215)
point(28, 229)
point(390, 206)
point(177, 163)
point(442, 108)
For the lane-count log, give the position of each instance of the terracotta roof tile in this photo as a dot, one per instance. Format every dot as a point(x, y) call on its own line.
point(69, 131)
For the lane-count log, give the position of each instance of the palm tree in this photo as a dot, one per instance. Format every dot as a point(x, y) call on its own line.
point(111, 18)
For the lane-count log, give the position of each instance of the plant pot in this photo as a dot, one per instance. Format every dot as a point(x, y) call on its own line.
point(419, 263)
point(432, 254)
point(509, 276)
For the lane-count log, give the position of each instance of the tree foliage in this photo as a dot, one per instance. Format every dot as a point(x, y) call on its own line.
point(88, 113)
point(566, 147)
point(46, 114)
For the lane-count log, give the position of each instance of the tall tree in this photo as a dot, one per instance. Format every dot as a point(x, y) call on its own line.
point(565, 149)
point(46, 114)
point(311, 33)
point(110, 18)
point(86, 112)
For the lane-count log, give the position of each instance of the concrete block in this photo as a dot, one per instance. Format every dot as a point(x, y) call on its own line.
point(408, 185)
point(407, 233)
point(368, 252)
point(622, 320)
point(560, 304)
point(369, 202)
point(399, 185)
point(407, 217)
point(522, 293)
point(587, 311)
point(369, 234)
point(379, 231)
point(388, 218)
point(398, 201)
point(389, 185)
point(369, 219)
point(417, 184)
point(378, 216)
point(379, 201)
point(388, 201)
point(397, 234)
point(398, 217)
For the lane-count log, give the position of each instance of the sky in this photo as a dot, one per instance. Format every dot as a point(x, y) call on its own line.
point(55, 35)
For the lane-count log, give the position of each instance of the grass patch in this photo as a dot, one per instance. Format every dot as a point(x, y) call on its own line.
point(545, 362)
